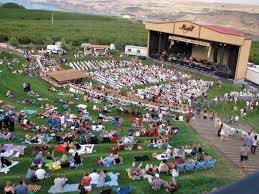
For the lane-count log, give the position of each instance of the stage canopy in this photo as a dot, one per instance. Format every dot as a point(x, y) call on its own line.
point(67, 75)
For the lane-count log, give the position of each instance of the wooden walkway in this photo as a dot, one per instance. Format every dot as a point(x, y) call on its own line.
point(230, 149)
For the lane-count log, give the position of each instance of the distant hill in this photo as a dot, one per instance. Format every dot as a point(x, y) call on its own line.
point(11, 5)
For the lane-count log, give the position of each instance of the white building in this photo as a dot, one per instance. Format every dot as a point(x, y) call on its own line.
point(136, 50)
point(55, 49)
point(252, 73)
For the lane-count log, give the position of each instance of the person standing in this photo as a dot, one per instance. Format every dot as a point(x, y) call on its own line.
point(254, 145)
point(248, 140)
point(244, 155)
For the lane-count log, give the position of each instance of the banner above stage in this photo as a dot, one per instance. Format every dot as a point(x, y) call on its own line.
point(191, 41)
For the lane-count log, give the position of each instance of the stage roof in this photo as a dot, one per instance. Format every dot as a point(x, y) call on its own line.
point(213, 27)
point(224, 30)
point(67, 75)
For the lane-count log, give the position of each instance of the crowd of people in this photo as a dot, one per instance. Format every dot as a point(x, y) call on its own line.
point(137, 74)
point(70, 128)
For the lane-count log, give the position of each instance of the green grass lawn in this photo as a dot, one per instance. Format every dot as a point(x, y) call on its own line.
point(226, 87)
point(191, 183)
point(226, 110)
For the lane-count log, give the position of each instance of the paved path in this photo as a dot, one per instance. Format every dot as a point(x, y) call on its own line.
point(230, 149)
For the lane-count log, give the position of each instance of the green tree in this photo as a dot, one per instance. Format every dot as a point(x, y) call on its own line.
point(63, 44)
point(14, 42)
point(31, 45)
point(48, 40)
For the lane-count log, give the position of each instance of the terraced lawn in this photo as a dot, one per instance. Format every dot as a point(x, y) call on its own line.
point(191, 183)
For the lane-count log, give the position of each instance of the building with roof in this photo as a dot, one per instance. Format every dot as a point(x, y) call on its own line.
point(64, 76)
point(225, 49)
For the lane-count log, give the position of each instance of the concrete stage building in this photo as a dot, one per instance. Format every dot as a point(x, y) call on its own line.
point(221, 50)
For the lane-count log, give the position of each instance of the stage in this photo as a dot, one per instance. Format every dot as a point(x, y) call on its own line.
point(208, 48)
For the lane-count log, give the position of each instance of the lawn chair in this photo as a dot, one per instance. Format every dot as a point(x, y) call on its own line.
point(189, 167)
point(180, 167)
point(124, 190)
point(210, 164)
point(200, 165)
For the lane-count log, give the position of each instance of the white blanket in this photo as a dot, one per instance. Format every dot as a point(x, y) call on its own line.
point(7, 168)
point(85, 149)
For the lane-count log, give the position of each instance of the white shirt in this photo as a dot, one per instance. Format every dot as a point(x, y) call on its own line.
point(40, 174)
point(255, 142)
point(94, 178)
point(59, 183)
point(62, 119)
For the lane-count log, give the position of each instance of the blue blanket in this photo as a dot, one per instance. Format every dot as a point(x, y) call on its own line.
point(29, 112)
point(67, 188)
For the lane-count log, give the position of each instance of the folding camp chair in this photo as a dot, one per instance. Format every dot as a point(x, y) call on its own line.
point(200, 165)
point(180, 167)
point(189, 167)
point(210, 164)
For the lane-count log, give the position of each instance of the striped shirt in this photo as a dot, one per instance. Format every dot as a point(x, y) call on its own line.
point(157, 183)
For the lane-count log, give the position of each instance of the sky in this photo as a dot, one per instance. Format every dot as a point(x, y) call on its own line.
point(28, 2)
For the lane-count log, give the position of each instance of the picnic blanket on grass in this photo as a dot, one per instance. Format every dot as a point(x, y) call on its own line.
point(86, 149)
point(14, 151)
point(66, 189)
point(112, 183)
point(6, 169)
point(29, 112)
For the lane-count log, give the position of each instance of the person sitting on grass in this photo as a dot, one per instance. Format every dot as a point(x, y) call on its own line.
point(104, 174)
point(157, 183)
point(94, 178)
point(135, 173)
point(8, 188)
point(117, 159)
point(22, 188)
point(40, 174)
point(77, 159)
point(59, 183)
point(207, 156)
point(163, 167)
point(107, 161)
point(39, 160)
point(9, 94)
point(171, 187)
point(86, 182)
point(31, 173)
point(5, 162)
point(64, 161)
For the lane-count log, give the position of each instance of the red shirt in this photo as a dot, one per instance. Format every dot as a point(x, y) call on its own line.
point(86, 181)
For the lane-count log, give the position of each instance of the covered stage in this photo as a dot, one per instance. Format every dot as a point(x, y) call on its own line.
point(210, 48)
point(67, 75)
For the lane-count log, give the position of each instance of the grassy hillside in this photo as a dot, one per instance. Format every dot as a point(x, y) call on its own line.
point(191, 183)
point(33, 26)
point(254, 55)
point(12, 6)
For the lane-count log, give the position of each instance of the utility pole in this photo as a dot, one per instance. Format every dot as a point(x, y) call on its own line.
point(52, 19)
